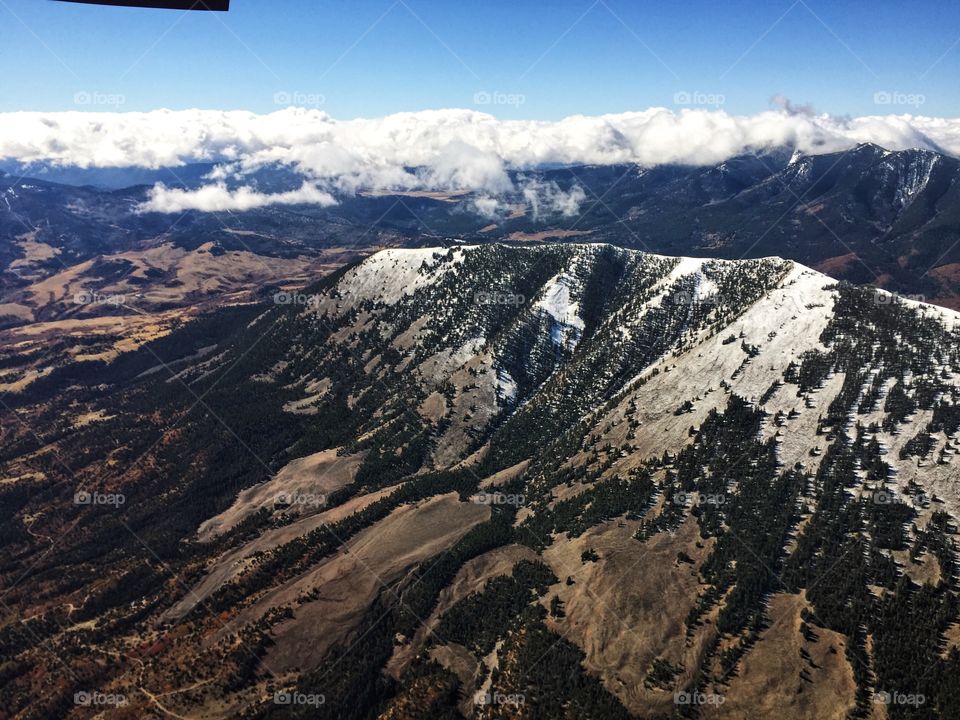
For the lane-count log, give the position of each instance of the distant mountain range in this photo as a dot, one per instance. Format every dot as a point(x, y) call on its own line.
point(866, 215)
point(570, 480)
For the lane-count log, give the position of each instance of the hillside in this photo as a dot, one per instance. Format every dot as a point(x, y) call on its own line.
point(569, 480)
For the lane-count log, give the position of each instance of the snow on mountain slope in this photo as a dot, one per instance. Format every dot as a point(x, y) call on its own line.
point(910, 178)
point(780, 328)
point(697, 330)
point(389, 275)
point(785, 323)
point(557, 303)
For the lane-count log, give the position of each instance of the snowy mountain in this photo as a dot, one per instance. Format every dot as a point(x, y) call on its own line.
point(563, 480)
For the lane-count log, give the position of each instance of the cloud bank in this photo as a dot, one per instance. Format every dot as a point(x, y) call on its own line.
point(430, 150)
point(218, 198)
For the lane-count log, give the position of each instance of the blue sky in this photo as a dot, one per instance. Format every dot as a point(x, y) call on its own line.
point(512, 58)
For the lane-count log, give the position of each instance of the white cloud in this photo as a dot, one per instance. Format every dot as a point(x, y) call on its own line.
point(432, 150)
point(540, 198)
point(550, 198)
point(488, 207)
point(218, 198)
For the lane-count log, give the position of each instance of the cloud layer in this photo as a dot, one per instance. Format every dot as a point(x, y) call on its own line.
point(431, 150)
point(218, 198)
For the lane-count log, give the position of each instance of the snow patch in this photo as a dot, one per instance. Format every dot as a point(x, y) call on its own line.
point(390, 275)
point(506, 386)
point(686, 266)
point(557, 303)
